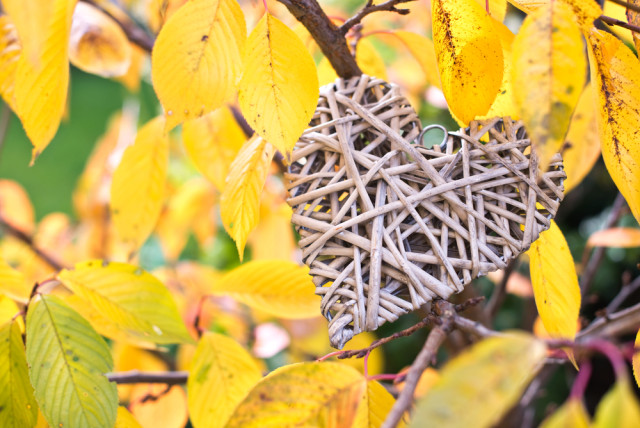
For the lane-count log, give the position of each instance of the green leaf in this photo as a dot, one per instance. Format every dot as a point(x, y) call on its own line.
point(221, 375)
point(18, 406)
point(67, 361)
point(130, 299)
point(477, 387)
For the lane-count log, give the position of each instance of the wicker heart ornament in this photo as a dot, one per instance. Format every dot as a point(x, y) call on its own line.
point(387, 224)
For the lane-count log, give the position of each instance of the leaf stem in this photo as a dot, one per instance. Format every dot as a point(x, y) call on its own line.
point(582, 379)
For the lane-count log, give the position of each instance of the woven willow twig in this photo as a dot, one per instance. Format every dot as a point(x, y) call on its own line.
point(387, 225)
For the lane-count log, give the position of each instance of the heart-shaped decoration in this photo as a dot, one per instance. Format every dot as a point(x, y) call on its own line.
point(387, 224)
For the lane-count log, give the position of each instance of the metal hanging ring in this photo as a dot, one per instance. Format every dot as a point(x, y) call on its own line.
point(443, 144)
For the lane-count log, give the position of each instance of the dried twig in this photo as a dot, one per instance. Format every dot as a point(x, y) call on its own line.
point(28, 240)
point(625, 291)
point(623, 322)
point(135, 376)
point(369, 7)
point(473, 327)
point(591, 265)
point(500, 291)
point(359, 353)
point(438, 334)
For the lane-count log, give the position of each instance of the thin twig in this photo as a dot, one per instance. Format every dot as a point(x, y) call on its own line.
point(623, 322)
point(625, 291)
point(500, 291)
point(438, 334)
point(134, 32)
point(328, 37)
point(613, 21)
point(591, 267)
point(28, 240)
point(359, 353)
point(135, 376)
point(630, 6)
point(473, 327)
point(369, 7)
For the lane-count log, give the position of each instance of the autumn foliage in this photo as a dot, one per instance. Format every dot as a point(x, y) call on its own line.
point(173, 294)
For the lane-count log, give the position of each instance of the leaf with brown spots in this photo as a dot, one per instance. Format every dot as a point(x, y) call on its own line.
point(305, 394)
point(549, 72)
point(614, 72)
point(634, 18)
point(469, 56)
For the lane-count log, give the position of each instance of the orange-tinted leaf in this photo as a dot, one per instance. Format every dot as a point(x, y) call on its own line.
point(622, 237)
point(15, 206)
point(168, 410)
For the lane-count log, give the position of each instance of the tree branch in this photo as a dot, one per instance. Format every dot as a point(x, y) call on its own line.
point(500, 291)
point(625, 292)
point(28, 240)
point(135, 376)
point(369, 7)
point(438, 334)
point(328, 37)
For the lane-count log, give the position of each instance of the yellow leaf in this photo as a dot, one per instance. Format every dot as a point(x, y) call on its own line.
point(497, 8)
point(582, 144)
point(42, 75)
point(424, 52)
point(619, 407)
point(279, 89)
point(240, 200)
point(370, 60)
point(549, 69)
point(32, 19)
point(278, 287)
point(305, 394)
point(555, 283)
point(503, 105)
point(197, 58)
point(212, 142)
point(9, 54)
point(194, 199)
point(131, 78)
point(619, 12)
point(469, 56)
point(586, 11)
point(221, 375)
point(571, 414)
point(19, 407)
point(97, 44)
point(636, 360)
point(621, 237)
point(428, 378)
point(138, 185)
point(134, 301)
point(168, 411)
point(13, 283)
point(127, 357)
point(615, 71)
point(9, 312)
point(126, 419)
point(273, 237)
point(478, 386)
point(374, 407)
